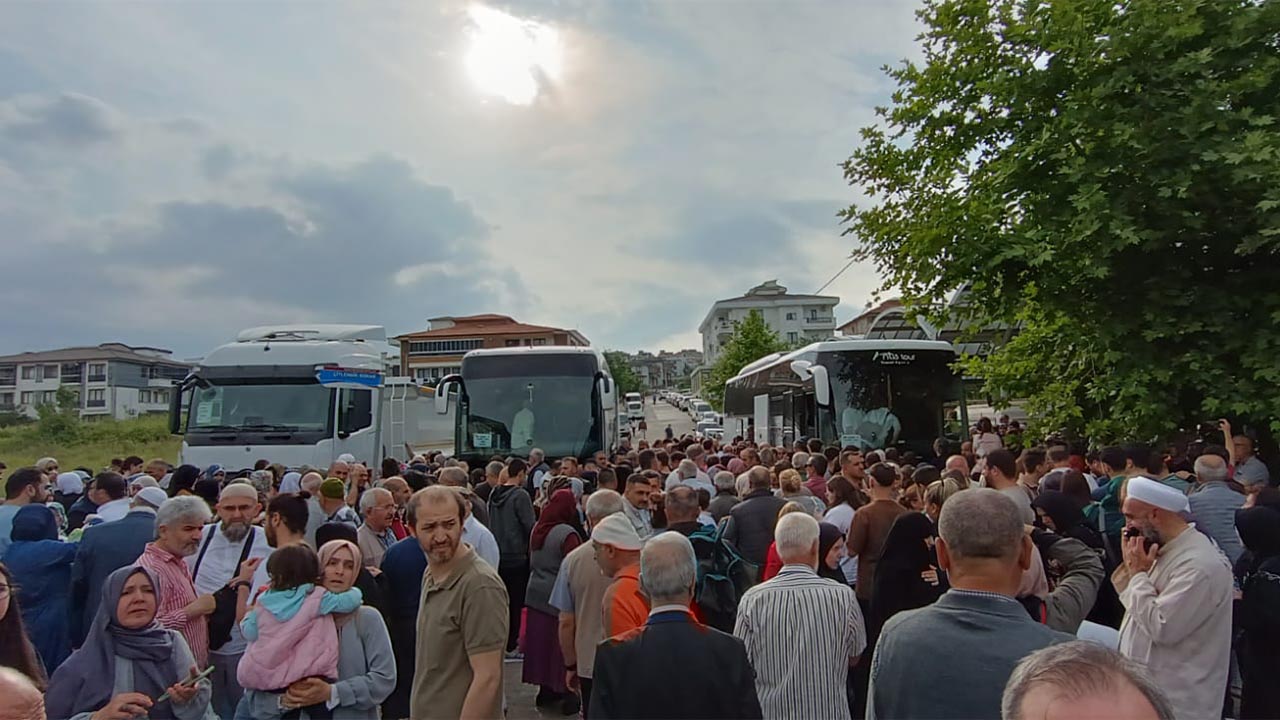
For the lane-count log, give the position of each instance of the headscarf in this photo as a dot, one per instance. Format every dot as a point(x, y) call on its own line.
point(86, 681)
point(290, 483)
point(183, 478)
point(328, 549)
point(34, 522)
point(70, 483)
point(1068, 518)
point(898, 585)
point(828, 534)
point(1259, 529)
point(559, 510)
point(212, 470)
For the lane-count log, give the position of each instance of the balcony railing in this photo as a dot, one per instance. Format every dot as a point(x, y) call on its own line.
point(811, 320)
point(95, 403)
point(96, 378)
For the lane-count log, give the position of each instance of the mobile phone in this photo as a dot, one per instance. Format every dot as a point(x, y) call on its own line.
point(189, 682)
point(1135, 532)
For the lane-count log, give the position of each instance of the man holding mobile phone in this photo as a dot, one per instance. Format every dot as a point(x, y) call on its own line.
point(1176, 588)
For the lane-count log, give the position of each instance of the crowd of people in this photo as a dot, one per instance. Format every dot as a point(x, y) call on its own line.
point(686, 577)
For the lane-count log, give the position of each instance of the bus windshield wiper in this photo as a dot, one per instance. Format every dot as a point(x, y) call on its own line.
point(269, 427)
point(216, 428)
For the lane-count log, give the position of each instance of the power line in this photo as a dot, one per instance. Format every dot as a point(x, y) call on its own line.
point(847, 265)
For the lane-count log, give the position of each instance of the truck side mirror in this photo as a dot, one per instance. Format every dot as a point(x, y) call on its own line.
point(442, 391)
point(821, 385)
point(175, 408)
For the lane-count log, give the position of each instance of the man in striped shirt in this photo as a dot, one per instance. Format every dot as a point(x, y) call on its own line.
point(802, 632)
point(179, 524)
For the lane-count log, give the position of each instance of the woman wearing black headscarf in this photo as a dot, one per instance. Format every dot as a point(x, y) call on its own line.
point(1063, 515)
point(830, 552)
point(183, 480)
point(128, 661)
point(907, 575)
point(1259, 648)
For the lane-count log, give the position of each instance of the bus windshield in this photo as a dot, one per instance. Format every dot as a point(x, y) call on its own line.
point(514, 404)
point(286, 406)
point(884, 398)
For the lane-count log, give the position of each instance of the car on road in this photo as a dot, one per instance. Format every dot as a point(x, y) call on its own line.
point(635, 410)
point(698, 406)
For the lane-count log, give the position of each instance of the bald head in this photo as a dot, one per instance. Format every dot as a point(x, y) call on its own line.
point(957, 462)
point(453, 477)
point(311, 482)
point(1210, 468)
point(682, 505)
point(981, 523)
point(668, 569)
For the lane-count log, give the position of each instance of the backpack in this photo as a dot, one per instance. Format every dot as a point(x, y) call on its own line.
point(723, 576)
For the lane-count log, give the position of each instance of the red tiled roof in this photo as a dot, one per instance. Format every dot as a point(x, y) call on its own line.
point(506, 326)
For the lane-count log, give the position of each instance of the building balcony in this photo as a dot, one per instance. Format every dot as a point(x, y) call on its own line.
point(95, 403)
point(820, 321)
point(96, 378)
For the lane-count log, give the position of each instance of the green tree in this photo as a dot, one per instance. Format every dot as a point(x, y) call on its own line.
point(623, 376)
point(1104, 174)
point(752, 339)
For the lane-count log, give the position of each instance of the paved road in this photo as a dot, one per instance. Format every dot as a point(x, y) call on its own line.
point(659, 416)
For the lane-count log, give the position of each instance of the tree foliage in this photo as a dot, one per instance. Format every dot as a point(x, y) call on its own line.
point(623, 375)
point(752, 339)
point(1107, 176)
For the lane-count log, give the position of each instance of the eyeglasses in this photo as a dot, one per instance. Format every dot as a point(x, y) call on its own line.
point(7, 590)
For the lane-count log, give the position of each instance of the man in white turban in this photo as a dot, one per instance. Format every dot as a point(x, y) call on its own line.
point(1176, 588)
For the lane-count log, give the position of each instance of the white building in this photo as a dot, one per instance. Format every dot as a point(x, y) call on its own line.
point(796, 318)
point(107, 380)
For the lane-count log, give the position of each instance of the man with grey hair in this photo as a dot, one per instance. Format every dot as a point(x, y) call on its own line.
point(1081, 679)
point(1214, 505)
point(968, 642)
point(799, 462)
point(751, 521)
point(713, 678)
point(316, 516)
point(725, 496)
point(374, 536)
point(180, 522)
point(492, 479)
point(579, 595)
point(688, 474)
point(798, 660)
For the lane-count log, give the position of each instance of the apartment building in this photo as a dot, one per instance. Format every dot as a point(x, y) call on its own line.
point(437, 351)
point(107, 380)
point(796, 318)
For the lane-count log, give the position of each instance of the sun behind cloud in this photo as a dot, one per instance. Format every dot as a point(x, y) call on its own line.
point(509, 57)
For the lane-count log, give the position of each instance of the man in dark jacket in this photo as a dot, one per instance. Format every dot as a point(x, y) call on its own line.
point(511, 520)
point(403, 566)
point(751, 521)
point(104, 549)
point(634, 673)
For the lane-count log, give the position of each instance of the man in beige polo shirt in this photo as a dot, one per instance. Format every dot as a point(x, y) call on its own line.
point(462, 618)
point(578, 595)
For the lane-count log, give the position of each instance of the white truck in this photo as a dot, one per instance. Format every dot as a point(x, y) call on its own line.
point(303, 395)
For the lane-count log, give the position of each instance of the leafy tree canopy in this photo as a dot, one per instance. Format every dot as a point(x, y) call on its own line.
point(623, 376)
point(752, 339)
point(1106, 175)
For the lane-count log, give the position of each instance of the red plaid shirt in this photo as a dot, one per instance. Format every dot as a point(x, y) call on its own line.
point(176, 591)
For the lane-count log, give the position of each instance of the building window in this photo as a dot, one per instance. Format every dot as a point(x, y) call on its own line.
point(791, 316)
point(444, 347)
point(539, 341)
point(792, 337)
point(160, 397)
point(97, 372)
point(97, 398)
point(26, 398)
point(512, 343)
point(28, 372)
point(6, 400)
point(49, 397)
point(144, 397)
point(50, 372)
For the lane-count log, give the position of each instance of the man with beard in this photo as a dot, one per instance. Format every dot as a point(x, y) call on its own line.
point(1176, 587)
point(223, 548)
point(462, 619)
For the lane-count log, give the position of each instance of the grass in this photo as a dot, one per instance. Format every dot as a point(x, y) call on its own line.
point(88, 444)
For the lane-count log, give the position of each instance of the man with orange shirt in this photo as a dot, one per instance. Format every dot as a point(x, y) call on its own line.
point(617, 550)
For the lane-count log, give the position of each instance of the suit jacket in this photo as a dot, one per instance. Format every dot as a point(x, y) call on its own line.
point(104, 549)
point(673, 667)
point(752, 524)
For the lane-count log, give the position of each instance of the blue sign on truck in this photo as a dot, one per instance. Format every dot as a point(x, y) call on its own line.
point(348, 377)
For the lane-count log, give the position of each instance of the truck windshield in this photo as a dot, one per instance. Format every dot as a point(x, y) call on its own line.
point(883, 398)
point(518, 403)
point(272, 405)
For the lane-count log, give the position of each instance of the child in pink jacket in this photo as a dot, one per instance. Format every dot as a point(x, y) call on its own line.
point(292, 634)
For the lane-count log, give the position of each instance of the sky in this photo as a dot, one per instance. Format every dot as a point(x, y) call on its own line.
point(172, 173)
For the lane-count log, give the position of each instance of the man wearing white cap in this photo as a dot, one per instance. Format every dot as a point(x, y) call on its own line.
point(1176, 588)
point(617, 549)
point(223, 548)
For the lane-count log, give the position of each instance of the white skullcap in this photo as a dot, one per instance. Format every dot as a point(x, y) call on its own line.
point(154, 497)
point(143, 481)
point(1156, 494)
point(290, 483)
point(347, 458)
point(239, 488)
point(616, 530)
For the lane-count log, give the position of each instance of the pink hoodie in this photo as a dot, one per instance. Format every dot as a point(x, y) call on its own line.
point(305, 645)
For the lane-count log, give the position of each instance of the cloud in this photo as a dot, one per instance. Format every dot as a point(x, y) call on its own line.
point(68, 120)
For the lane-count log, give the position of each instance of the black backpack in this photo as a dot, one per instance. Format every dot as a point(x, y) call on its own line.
point(723, 576)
